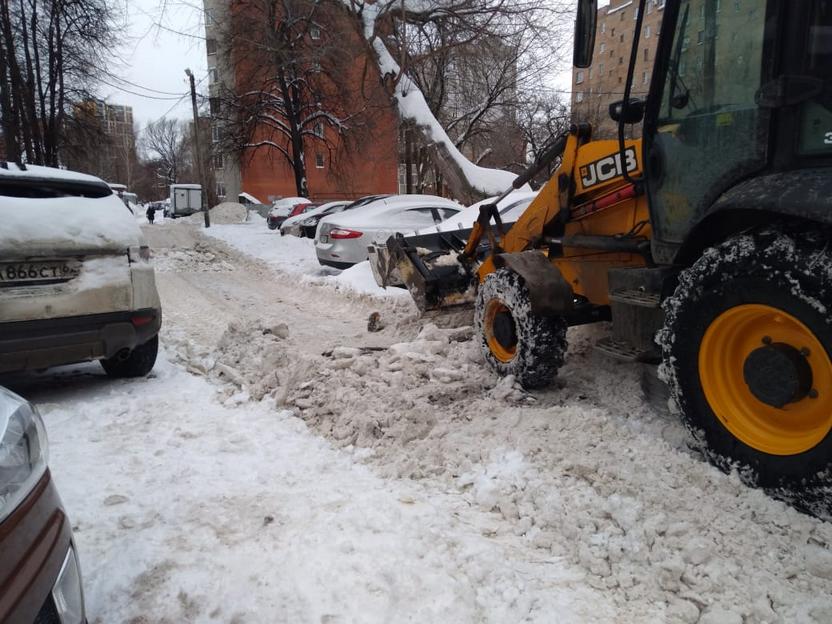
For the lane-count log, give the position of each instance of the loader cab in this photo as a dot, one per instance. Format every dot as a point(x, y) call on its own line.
point(740, 92)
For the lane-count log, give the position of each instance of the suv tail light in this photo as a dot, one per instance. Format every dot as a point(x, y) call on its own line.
point(341, 233)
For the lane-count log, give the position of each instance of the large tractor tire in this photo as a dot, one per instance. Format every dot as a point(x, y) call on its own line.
point(747, 354)
point(515, 341)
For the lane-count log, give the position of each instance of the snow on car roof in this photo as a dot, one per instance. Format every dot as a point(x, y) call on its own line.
point(186, 186)
point(60, 225)
point(250, 198)
point(37, 172)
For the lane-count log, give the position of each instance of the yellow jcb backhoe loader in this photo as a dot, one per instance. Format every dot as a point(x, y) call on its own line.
point(706, 242)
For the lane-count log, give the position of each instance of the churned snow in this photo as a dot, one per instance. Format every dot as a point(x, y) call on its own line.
point(189, 510)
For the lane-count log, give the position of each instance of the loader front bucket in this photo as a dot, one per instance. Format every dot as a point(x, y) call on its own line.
point(429, 267)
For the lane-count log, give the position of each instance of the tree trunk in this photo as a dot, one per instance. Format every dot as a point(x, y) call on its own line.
point(289, 95)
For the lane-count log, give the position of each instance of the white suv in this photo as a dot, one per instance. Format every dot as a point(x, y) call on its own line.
point(76, 281)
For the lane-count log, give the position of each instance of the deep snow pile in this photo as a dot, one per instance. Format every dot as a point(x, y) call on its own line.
point(201, 257)
point(584, 471)
point(226, 212)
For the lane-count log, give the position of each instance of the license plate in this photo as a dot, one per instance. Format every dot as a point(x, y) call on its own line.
point(324, 238)
point(14, 273)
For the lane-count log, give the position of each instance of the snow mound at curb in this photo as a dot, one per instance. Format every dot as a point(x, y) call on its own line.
point(221, 214)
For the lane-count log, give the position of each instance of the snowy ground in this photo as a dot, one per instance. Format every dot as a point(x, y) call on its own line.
point(282, 464)
point(296, 256)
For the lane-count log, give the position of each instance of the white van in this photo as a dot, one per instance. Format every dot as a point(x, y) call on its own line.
point(185, 199)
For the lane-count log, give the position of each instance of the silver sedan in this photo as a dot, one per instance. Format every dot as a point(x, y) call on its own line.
point(342, 239)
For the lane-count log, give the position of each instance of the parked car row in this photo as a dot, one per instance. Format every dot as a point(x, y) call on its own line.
point(346, 233)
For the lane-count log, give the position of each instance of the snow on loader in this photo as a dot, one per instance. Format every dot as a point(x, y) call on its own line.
point(706, 242)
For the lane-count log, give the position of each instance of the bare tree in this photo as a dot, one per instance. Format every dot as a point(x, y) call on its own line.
point(293, 86)
point(541, 116)
point(445, 29)
point(165, 138)
point(51, 53)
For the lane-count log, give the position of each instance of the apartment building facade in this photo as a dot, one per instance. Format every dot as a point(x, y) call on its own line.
point(103, 141)
point(332, 170)
point(596, 87)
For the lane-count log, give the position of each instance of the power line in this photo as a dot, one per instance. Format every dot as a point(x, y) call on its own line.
point(134, 84)
point(142, 95)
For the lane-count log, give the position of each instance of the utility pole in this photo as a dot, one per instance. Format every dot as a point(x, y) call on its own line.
point(198, 151)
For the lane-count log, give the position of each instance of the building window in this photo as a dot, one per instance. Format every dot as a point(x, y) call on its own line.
point(601, 68)
point(612, 33)
point(620, 60)
point(621, 15)
point(213, 75)
point(591, 73)
point(646, 54)
point(645, 78)
point(314, 31)
point(221, 190)
point(209, 17)
point(318, 130)
point(579, 76)
point(214, 104)
point(635, 14)
point(700, 37)
point(621, 37)
point(603, 28)
point(319, 160)
point(579, 96)
point(646, 32)
point(603, 47)
point(216, 135)
point(218, 161)
point(211, 46)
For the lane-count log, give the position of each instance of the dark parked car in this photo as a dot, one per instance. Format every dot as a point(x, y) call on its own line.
point(40, 580)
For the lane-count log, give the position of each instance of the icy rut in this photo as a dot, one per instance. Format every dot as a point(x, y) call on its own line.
point(583, 471)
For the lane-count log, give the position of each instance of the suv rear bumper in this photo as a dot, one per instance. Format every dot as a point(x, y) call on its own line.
point(32, 345)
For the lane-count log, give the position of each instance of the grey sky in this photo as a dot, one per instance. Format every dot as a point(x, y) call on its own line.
point(156, 58)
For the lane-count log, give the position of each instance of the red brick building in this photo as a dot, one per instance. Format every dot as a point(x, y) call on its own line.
point(360, 162)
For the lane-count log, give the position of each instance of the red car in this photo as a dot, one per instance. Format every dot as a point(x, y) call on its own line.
point(285, 208)
point(40, 580)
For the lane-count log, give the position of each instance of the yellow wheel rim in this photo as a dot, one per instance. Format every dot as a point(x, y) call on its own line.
point(503, 352)
point(731, 338)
